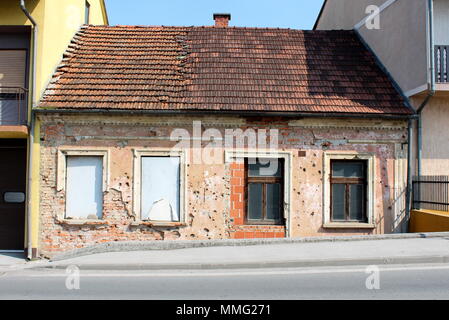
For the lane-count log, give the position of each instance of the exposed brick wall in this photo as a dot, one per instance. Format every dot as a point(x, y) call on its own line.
point(237, 193)
point(215, 205)
point(239, 229)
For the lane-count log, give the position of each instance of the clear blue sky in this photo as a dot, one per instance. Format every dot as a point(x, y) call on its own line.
point(295, 14)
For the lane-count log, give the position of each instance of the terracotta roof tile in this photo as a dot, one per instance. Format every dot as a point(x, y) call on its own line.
point(206, 68)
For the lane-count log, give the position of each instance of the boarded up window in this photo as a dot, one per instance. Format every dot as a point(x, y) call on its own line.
point(84, 180)
point(12, 68)
point(160, 188)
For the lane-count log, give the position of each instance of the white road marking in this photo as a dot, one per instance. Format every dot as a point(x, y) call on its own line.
point(221, 273)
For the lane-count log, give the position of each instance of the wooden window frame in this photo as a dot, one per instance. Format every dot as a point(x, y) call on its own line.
point(348, 182)
point(61, 175)
point(264, 181)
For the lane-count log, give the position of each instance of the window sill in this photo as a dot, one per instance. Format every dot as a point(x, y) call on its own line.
point(82, 222)
point(348, 225)
point(254, 224)
point(158, 224)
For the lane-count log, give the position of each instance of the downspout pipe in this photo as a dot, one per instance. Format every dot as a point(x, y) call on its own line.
point(32, 125)
point(408, 194)
point(432, 86)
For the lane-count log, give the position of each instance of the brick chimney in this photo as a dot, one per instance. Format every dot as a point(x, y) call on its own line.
point(222, 19)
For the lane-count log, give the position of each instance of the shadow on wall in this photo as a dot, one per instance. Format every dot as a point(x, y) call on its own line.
point(11, 9)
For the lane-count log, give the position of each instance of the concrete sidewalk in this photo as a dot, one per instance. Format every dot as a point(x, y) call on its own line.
point(308, 254)
point(11, 258)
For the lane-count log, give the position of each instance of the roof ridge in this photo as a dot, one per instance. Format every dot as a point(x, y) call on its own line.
point(211, 27)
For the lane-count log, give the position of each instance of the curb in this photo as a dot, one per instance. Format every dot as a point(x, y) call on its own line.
point(125, 246)
point(260, 265)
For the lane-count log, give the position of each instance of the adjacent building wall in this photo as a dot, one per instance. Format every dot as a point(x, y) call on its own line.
point(435, 148)
point(214, 208)
point(62, 20)
point(344, 14)
point(58, 21)
point(401, 43)
point(441, 21)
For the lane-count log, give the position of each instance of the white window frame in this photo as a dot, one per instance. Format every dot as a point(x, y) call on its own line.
point(239, 156)
point(137, 172)
point(61, 174)
point(370, 185)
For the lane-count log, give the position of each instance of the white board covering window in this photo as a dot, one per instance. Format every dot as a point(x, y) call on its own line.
point(160, 188)
point(84, 182)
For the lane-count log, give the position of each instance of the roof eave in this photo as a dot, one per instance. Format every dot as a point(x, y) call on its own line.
point(291, 114)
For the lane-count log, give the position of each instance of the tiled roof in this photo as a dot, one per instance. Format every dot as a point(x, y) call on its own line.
point(233, 69)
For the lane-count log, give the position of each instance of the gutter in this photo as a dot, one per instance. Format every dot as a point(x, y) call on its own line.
point(226, 113)
point(32, 124)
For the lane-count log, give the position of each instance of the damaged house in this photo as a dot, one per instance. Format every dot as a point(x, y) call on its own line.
point(156, 133)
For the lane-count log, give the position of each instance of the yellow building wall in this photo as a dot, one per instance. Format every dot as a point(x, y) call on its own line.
point(11, 14)
point(58, 21)
point(62, 20)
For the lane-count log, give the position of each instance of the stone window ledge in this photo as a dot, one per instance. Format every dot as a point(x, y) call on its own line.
point(158, 224)
point(348, 225)
point(82, 222)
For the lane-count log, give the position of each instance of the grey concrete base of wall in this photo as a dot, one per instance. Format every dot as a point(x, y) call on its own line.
point(123, 246)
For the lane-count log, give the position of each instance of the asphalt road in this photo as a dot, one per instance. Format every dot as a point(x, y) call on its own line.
point(393, 282)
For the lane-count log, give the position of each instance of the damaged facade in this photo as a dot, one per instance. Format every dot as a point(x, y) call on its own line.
point(133, 112)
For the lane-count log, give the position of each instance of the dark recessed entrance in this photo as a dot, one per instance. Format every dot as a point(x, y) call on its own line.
point(12, 193)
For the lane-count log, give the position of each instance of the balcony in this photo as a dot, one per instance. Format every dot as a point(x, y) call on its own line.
point(13, 112)
point(442, 64)
point(13, 106)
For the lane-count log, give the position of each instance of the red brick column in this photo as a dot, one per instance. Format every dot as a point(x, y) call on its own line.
point(240, 230)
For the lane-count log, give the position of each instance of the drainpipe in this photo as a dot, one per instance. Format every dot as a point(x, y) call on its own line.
point(432, 86)
point(408, 194)
point(31, 139)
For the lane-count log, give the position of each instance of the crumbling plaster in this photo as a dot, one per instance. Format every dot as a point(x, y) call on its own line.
point(208, 192)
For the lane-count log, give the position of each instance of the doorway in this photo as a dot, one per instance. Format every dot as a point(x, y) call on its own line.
point(12, 193)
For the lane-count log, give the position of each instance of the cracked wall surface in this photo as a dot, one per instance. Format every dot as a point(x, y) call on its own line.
point(210, 199)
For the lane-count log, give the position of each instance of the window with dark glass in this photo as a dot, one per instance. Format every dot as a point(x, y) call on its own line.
point(348, 191)
point(264, 191)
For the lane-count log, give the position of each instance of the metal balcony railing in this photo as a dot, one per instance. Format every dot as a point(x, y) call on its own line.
point(13, 106)
point(441, 64)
